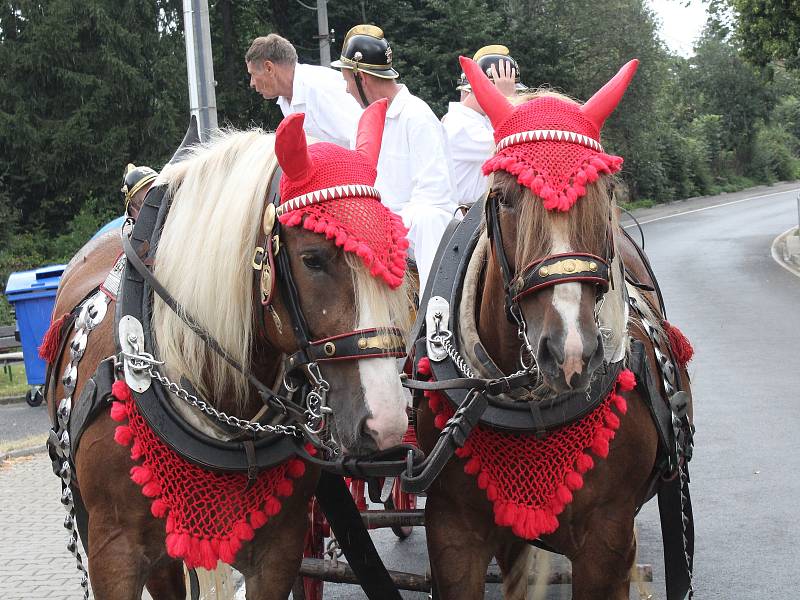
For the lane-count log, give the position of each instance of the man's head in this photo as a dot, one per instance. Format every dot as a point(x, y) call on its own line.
point(366, 65)
point(270, 62)
point(496, 62)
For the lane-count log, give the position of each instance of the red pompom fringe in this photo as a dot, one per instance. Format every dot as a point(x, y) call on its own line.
point(681, 347)
point(533, 513)
point(208, 515)
point(52, 340)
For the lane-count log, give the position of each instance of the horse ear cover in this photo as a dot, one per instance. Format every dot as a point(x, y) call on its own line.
point(337, 193)
point(559, 151)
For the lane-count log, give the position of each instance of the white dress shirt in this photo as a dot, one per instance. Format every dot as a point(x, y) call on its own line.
point(471, 141)
point(415, 175)
point(321, 93)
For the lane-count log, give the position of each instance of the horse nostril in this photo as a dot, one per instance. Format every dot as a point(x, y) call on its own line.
point(549, 356)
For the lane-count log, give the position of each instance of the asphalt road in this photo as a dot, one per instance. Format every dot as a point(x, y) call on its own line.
point(18, 421)
point(742, 312)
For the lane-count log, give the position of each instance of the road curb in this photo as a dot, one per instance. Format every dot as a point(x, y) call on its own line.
point(22, 452)
point(12, 399)
point(782, 255)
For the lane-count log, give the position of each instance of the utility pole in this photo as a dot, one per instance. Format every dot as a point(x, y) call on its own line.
point(323, 33)
point(199, 65)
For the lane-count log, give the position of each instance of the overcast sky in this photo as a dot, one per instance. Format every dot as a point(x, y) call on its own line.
point(680, 24)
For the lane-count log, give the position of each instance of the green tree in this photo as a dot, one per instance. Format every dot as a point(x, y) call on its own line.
point(770, 30)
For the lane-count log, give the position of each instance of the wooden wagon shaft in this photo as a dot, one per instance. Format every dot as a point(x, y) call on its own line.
point(340, 572)
point(374, 519)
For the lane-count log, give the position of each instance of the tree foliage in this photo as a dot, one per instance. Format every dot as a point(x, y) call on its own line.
point(90, 85)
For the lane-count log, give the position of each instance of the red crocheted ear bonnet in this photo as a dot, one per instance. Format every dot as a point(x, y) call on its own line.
point(551, 144)
point(330, 190)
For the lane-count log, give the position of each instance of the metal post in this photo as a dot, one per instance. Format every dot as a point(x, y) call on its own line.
point(199, 65)
point(798, 213)
point(323, 33)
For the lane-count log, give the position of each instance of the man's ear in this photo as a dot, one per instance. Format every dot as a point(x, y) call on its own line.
point(269, 66)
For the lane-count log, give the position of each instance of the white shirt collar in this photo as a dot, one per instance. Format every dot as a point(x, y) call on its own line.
point(398, 102)
point(298, 88)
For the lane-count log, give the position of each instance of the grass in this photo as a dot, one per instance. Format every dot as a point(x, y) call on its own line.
point(17, 384)
point(641, 203)
point(34, 440)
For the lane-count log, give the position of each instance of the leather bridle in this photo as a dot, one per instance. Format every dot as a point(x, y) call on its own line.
point(545, 272)
point(273, 271)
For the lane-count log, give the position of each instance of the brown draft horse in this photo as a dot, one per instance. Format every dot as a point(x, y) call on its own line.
point(204, 259)
point(596, 530)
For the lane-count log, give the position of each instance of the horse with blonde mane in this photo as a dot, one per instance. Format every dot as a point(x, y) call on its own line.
point(217, 334)
point(553, 295)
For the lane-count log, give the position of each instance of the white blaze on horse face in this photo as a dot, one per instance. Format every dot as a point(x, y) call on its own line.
point(567, 302)
point(380, 385)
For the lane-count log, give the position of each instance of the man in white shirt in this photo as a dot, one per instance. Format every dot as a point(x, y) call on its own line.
point(415, 175)
point(319, 92)
point(469, 133)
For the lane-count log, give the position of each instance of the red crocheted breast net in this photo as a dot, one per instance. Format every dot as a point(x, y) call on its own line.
point(530, 481)
point(557, 172)
point(360, 225)
point(208, 515)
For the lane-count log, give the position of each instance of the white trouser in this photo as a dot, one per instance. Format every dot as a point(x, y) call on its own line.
point(425, 224)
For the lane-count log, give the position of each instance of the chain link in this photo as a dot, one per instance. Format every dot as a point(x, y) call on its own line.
point(220, 416)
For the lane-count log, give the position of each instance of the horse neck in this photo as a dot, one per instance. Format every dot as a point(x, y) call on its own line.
point(497, 334)
point(265, 367)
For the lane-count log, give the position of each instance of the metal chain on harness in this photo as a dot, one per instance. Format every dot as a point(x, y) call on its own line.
point(442, 337)
point(90, 314)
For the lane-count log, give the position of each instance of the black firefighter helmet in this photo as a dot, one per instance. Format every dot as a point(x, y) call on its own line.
point(488, 56)
point(135, 179)
point(366, 50)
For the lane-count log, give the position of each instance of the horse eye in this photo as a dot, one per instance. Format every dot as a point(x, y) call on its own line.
point(312, 262)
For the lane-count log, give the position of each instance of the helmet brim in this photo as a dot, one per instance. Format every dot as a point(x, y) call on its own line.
point(388, 73)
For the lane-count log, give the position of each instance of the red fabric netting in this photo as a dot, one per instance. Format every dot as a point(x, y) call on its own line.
point(360, 225)
point(557, 172)
point(208, 515)
point(528, 480)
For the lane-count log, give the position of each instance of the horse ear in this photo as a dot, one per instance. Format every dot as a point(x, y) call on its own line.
point(291, 148)
point(492, 101)
point(370, 130)
point(605, 100)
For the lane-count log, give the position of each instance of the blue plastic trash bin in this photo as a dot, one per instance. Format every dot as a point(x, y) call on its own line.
point(33, 295)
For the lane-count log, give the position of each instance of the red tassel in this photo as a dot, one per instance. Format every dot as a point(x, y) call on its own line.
point(483, 480)
point(285, 488)
point(141, 475)
point(152, 489)
point(258, 519)
point(439, 421)
point(226, 554)
point(681, 347)
point(52, 340)
point(473, 466)
point(118, 411)
point(296, 468)
point(121, 391)
point(136, 450)
point(611, 420)
point(584, 463)
point(563, 494)
point(123, 435)
point(491, 492)
point(208, 558)
point(462, 452)
point(620, 403)
point(159, 508)
point(272, 506)
point(600, 447)
point(626, 380)
point(424, 366)
point(573, 480)
point(243, 531)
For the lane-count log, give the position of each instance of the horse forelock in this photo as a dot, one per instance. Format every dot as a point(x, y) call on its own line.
point(204, 257)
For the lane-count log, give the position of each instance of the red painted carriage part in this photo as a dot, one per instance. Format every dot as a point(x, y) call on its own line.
point(529, 480)
point(208, 515)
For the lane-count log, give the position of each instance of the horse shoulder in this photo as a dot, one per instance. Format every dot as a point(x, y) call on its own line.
point(87, 270)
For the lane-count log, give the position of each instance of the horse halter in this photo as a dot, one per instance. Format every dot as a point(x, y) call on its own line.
point(270, 266)
point(545, 272)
